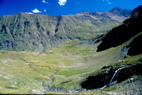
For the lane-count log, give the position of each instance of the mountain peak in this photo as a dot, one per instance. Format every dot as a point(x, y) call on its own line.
point(121, 12)
point(116, 9)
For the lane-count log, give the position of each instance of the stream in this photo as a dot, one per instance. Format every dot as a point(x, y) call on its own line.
point(111, 81)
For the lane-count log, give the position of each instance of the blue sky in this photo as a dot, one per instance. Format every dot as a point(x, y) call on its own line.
point(63, 7)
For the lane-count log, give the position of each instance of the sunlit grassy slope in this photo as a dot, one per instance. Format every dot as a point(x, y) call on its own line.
point(59, 68)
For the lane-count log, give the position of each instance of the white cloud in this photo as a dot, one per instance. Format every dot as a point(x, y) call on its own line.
point(62, 2)
point(28, 12)
point(36, 11)
point(44, 1)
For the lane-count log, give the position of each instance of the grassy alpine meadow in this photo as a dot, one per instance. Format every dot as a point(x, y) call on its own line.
point(27, 72)
point(61, 68)
point(86, 53)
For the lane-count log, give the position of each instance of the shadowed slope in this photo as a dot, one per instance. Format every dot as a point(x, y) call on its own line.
point(124, 32)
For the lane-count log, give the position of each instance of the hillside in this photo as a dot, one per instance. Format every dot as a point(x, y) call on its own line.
point(35, 32)
point(123, 77)
point(124, 32)
point(101, 61)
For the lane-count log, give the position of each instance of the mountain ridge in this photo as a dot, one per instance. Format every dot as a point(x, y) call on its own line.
point(121, 12)
point(76, 67)
point(39, 32)
point(128, 29)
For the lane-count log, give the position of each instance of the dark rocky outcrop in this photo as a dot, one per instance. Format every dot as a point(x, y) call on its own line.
point(104, 76)
point(137, 12)
point(117, 73)
point(124, 32)
point(135, 46)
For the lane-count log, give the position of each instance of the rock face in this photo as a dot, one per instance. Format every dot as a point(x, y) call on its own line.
point(102, 79)
point(137, 12)
point(26, 32)
point(124, 32)
point(108, 75)
point(135, 47)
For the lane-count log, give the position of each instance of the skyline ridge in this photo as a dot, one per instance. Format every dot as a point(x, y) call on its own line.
point(110, 11)
point(63, 7)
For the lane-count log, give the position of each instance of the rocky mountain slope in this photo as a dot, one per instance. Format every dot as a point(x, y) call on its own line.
point(107, 62)
point(32, 32)
point(121, 12)
point(124, 32)
point(128, 37)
